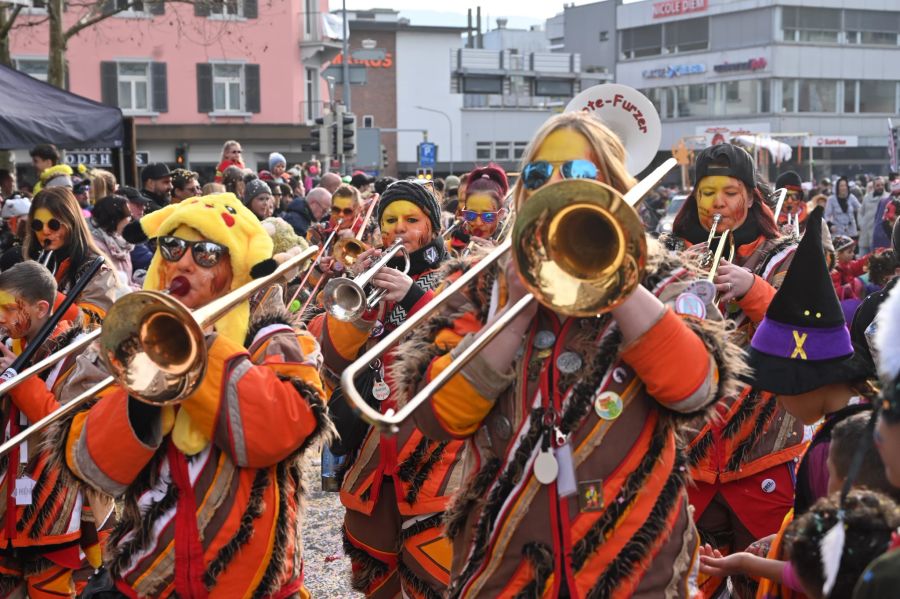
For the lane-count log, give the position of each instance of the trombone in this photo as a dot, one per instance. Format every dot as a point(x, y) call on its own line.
point(555, 246)
point(152, 345)
point(346, 299)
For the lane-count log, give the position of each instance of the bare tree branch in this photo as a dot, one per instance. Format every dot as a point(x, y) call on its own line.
point(10, 19)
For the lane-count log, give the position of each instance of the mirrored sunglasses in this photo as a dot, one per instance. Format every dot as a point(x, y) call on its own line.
point(486, 217)
point(536, 174)
point(205, 253)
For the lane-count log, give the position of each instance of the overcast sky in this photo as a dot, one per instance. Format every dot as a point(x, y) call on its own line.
point(521, 14)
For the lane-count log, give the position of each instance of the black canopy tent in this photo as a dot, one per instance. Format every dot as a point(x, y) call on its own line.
point(33, 112)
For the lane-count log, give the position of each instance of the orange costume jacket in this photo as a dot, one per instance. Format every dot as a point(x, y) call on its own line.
point(256, 409)
point(751, 432)
point(622, 527)
point(424, 472)
point(50, 515)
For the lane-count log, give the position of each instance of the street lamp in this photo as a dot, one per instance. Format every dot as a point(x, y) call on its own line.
point(449, 124)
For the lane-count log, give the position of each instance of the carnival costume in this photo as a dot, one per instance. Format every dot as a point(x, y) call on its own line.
point(210, 488)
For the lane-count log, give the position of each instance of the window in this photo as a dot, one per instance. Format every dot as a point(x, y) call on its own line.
point(686, 36)
point(227, 8)
point(553, 87)
point(878, 28)
point(749, 96)
point(686, 101)
point(482, 85)
point(817, 95)
point(641, 41)
point(483, 150)
point(850, 95)
point(35, 67)
point(502, 150)
point(312, 12)
point(788, 95)
point(38, 7)
point(604, 36)
point(519, 149)
point(808, 24)
point(134, 86)
point(312, 95)
point(228, 88)
point(877, 96)
point(368, 121)
point(130, 5)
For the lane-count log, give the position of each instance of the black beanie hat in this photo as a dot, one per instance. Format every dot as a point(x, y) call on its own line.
point(416, 193)
point(738, 162)
point(790, 180)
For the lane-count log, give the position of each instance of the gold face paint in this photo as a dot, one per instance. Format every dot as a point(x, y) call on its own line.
point(481, 203)
point(561, 146)
point(343, 207)
point(15, 318)
point(722, 195)
point(48, 239)
point(403, 218)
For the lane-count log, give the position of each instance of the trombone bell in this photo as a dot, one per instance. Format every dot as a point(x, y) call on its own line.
point(153, 345)
point(579, 247)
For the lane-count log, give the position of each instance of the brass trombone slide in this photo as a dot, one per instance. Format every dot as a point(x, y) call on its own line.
point(779, 203)
point(391, 420)
point(157, 327)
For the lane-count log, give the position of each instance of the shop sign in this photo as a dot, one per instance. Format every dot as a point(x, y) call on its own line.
point(100, 158)
point(754, 64)
point(674, 8)
point(839, 141)
point(370, 59)
point(674, 70)
point(715, 134)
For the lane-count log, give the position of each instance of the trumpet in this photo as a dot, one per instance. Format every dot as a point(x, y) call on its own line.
point(152, 345)
point(711, 258)
point(346, 299)
point(580, 249)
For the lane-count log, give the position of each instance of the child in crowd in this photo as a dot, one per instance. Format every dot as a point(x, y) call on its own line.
point(232, 155)
point(845, 438)
point(40, 554)
point(847, 270)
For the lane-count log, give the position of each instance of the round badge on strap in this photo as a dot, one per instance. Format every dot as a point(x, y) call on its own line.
point(546, 468)
point(569, 362)
point(705, 290)
point(608, 405)
point(544, 339)
point(381, 390)
point(689, 304)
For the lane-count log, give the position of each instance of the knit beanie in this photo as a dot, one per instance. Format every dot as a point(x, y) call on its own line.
point(790, 180)
point(254, 188)
point(276, 158)
point(416, 193)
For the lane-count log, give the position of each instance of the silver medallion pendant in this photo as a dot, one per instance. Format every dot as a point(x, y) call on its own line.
point(569, 362)
point(544, 339)
point(381, 390)
point(546, 468)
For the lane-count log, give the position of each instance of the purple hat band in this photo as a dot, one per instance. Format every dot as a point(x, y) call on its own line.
point(802, 343)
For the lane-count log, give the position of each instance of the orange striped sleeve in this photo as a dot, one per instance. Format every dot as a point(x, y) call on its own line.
point(674, 364)
point(757, 300)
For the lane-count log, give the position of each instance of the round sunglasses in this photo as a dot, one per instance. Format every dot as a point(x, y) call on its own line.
point(37, 225)
point(337, 211)
point(486, 217)
point(537, 173)
point(205, 253)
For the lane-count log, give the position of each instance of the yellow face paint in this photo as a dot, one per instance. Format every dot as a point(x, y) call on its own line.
point(481, 203)
point(561, 146)
point(6, 298)
point(43, 215)
point(403, 218)
point(15, 318)
point(722, 195)
point(343, 207)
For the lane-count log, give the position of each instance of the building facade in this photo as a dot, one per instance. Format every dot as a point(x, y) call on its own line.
point(822, 78)
point(195, 75)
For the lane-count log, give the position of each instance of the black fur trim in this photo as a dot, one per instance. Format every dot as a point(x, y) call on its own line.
point(134, 232)
point(263, 269)
point(632, 486)
point(748, 407)
point(8, 584)
point(700, 449)
point(38, 490)
point(419, 586)
point(366, 569)
point(434, 521)
point(640, 545)
point(48, 509)
point(121, 553)
point(407, 469)
point(424, 471)
point(541, 558)
point(471, 493)
point(508, 479)
point(740, 453)
point(226, 554)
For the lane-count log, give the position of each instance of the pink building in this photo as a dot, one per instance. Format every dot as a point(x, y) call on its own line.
point(194, 76)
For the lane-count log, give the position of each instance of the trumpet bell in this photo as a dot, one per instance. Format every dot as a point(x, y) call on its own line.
point(344, 299)
point(154, 347)
point(579, 247)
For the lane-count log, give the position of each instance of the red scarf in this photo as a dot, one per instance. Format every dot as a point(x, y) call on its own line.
point(189, 567)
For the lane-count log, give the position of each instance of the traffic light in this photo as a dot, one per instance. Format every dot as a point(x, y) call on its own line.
point(424, 173)
point(384, 159)
point(347, 131)
point(321, 140)
point(334, 135)
point(181, 157)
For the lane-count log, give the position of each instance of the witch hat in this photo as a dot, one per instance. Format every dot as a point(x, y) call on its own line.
point(803, 342)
